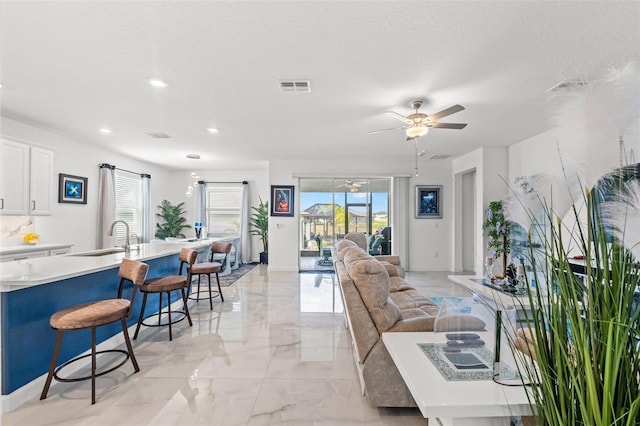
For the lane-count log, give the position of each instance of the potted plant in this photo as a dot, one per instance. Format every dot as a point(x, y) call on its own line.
point(497, 230)
point(174, 221)
point(584, 334)
point(260, 227)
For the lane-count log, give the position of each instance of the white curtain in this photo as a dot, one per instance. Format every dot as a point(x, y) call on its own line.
point(401, 210)
point(245, 237)
point(106, 205)
point(201, 207)
point(147, 218)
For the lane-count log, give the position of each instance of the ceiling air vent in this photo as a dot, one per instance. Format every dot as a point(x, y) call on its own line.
point(294, 85)
point(159, 135)
point(439, 157)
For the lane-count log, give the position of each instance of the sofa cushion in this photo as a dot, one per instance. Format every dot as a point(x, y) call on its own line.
point(357, 237)
point(372, 281)
point(342, 245)
point(354, 254)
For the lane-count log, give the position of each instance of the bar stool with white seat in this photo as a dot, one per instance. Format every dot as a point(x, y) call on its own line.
point(211, 267)
point(167, 284)
point(92, 315)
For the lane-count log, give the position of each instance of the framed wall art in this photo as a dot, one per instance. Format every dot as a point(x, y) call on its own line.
point(282, 200)
point(72, 189)
point(428, 201)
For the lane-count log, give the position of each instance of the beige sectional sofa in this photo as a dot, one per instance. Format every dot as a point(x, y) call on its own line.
point(377, 300)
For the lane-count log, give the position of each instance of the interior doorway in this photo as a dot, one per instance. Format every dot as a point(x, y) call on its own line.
point(331, 207)
point(468, 221)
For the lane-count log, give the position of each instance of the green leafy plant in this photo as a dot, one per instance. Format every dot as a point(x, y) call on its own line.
point(497, 229)
point(260, 223)
point(174, 221)
point(585, 331)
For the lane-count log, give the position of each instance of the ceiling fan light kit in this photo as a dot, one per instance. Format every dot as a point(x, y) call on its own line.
point(417, 131)
point(418, 123)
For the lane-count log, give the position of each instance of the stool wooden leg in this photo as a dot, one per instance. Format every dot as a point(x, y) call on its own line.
point(93, 365)
point(219, 289)
point(141, 317)
point(54, 361)
point(123, 321)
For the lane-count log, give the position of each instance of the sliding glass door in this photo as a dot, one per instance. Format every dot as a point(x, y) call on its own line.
point(332, 207)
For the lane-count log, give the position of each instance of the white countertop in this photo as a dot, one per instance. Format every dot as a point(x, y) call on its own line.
point(501, 298)
point(437, 397)
point(27, 248)
point(31, 272)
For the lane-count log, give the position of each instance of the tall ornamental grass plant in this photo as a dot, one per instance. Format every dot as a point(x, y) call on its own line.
point(584, 331)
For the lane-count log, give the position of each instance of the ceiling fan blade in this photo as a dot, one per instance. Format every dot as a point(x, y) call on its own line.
point(398, 116)
point(446, 112)
point(385, 130)
point(448, 125)
point(409, 138)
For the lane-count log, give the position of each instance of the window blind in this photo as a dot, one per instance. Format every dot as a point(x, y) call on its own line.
point(128, 205)
point(224, 205)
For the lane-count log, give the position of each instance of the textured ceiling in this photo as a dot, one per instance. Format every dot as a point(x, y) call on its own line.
point(73, 67)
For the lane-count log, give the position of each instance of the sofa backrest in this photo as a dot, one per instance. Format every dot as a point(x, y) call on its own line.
point(363, 330)
point(342, 245)
point(359, 238)
point(372, 281)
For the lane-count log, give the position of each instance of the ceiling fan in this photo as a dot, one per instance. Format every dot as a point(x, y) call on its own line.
point(418, 123)
point(351, 185)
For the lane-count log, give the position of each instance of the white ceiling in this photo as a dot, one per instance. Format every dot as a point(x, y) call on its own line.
point(73, 67)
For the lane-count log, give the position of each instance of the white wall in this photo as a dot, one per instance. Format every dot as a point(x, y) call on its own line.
point(491, 167)
point(429, 240)
point(542, 153)
point(427, 237)
point(258, 188)
point(76, 223)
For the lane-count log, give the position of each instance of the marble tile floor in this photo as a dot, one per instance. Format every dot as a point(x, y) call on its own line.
point(276, 352)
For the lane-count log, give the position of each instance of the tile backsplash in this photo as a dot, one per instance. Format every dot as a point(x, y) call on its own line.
point(15, 226)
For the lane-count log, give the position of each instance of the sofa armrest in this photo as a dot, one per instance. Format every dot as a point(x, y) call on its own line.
point(421, 323)
point(392, 270)
point(392, 259)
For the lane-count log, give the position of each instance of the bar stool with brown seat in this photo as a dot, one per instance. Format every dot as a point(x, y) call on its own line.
point(92, 315)
point(214, 266)
point(167, 284)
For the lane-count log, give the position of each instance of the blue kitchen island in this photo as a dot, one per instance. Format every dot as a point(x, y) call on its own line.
point(33, 289)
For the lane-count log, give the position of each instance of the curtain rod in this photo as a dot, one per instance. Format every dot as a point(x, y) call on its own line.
point(244, 182)
point(112, 167)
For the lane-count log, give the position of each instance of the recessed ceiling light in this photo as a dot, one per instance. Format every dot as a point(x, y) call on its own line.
point(0, 85)
point(157, 83)
point(212, 130)
point(193, 156)
point(105, 131)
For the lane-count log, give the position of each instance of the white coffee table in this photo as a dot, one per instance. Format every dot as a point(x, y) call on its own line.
point(454, 403)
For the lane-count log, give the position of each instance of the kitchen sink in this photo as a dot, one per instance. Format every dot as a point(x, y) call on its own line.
point(102, 252)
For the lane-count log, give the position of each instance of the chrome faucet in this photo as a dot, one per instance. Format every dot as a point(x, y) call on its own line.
point(126, 246)
point(134, 235)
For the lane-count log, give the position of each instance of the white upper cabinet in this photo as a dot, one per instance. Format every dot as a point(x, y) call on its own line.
point(14, 178)
point(41, 178)
point(26, 179)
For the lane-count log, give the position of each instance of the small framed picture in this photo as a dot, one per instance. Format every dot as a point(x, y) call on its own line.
point(282, 200)
point(72, 189)
point(428, 201)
